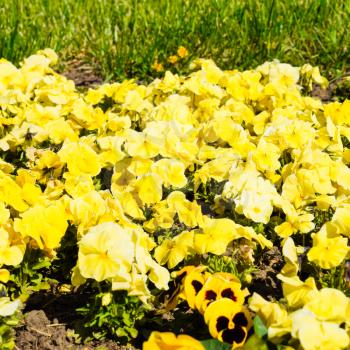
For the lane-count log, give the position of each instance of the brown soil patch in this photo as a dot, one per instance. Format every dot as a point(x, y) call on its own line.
point(82, 73)
point(39, 333)
point(265, 281)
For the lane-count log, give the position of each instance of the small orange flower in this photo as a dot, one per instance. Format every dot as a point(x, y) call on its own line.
point(173, 59)
point(182, 52)
point(158, 67)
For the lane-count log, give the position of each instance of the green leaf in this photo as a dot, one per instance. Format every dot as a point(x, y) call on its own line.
point(259, 327)
point(255, 343)
point(213, 344)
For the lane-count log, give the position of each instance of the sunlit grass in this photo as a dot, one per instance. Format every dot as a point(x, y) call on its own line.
point(123, 37)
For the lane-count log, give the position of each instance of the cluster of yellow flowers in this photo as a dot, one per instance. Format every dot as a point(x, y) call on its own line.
point(220, 299)
point(181, 53)
point(122, 164)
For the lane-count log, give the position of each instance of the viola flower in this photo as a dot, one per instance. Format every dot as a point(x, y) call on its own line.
point(173, 251)
point(173, 59)
point(193, 283)
point(106, 251)
point(176, 287)
point(182, 52)
point(328, 252)
point(215, 288)
point(158, 67)
point(228, 321)
point(168, 340)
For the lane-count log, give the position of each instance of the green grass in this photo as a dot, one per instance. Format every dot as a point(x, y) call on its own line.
point(123, 37)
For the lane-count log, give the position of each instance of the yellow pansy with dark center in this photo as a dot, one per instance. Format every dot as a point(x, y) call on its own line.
point(217, 287)
point(228, 321)
point(193, 284)
point(176, 287)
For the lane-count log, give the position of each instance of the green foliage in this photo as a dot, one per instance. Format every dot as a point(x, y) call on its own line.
point(259, 327)
point(336, 278)
point(29, 276)
point(125, 37)
point(7, 324)
point(255, 343)
point(112, 315)
point(7, 333)
point(342, 89)
point(213, 344)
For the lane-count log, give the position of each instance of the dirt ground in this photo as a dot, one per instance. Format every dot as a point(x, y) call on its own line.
point(39, 333)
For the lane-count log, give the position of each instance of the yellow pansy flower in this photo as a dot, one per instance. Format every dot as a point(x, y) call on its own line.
point(168, 340)
point(10, 254)
point(80, 158)
point(316, 335)
point(328, 252)
point(217, 287)
point(228, 321)
point(106, 251)
point(173, 251)
point(45, 224)
point(149, 188)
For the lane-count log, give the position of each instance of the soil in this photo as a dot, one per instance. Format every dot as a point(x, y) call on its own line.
point(265, 281)
point(84, 74)
point(337, 90)
point(39, 333)
point(48, 325)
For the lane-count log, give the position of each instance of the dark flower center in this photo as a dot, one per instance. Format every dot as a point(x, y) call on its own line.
point(236, 335)
point(210, 295)
point(197, 285)
point(222, 323)
point(228, 293)
point(240, 319)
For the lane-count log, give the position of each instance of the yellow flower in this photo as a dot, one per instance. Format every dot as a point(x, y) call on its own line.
point(10, 254)
point(140, 145)
point(4, 213)
point(228, 321)
point(171, 171)
point(217, 287)
point(106, 251)
point(217, 234)
point(317, 335)
point(4, 275)
point(11, 193)
point(80, 158)
point(329, 304)
point(193, 283)
point(45, 224)
point(189, 213)
point(158, 67)
point(173, 251)
point(87, 210)
point(173, 59)
point(169, 341)
point(296, 292)
point(266, 156)
point(149, 188)
point(328, 252)
point(341, 219)
point(131, 205)
point(182, 52)
point(274, 316)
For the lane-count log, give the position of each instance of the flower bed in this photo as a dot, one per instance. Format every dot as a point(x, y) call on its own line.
point(147, 199)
